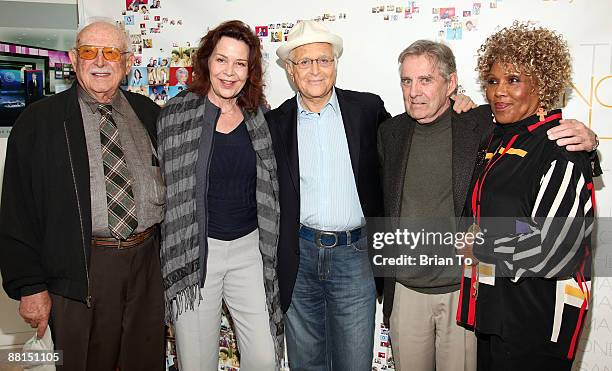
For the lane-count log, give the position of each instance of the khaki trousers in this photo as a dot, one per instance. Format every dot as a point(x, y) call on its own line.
point(425, 335)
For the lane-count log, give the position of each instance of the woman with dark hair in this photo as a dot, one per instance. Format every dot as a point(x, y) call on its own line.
point(187, 57)
point(222, 210)
point(533, 206)
point(137, 79)
point(175, 59)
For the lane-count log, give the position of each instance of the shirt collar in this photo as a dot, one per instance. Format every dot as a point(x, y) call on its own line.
point(118, 102)
point(332, 103)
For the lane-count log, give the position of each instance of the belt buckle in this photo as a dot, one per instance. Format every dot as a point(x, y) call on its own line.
point(320, 234)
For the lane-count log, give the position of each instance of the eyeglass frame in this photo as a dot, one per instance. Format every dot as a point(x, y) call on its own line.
point(311, 61)
point(98, 49)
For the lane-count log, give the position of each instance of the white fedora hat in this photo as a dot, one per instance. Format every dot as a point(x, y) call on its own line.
point(308, 32)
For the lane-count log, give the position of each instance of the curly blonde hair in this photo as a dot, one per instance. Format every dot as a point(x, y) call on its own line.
point(534, 51)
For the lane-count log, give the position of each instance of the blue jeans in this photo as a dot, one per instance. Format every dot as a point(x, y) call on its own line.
point(330, 322)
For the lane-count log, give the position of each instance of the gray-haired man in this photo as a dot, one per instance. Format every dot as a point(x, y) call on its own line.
point(81, 200)
point(325, 144)
point(428, 156)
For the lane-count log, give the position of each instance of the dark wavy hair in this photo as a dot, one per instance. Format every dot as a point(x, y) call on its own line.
point(252, 95)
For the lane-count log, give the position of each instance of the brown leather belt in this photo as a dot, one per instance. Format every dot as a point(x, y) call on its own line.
point(133, 240)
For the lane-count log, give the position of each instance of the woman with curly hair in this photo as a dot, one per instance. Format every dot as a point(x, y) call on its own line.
point(221, 224)
point(534, 204)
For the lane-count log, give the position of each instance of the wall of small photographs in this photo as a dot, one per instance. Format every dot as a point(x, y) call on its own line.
point(164, 34)
point(159, 73)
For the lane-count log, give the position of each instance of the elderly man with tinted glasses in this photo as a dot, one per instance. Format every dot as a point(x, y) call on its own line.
point(81, 201)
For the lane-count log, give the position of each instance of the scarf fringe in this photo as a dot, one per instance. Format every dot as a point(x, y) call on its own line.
point(186, 299)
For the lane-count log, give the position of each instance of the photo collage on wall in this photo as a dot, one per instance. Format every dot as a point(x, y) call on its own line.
point(383, 358)
point(455, 22)
point(277, 32)
point(228, 348)
point(396, 12)
point(166, 75)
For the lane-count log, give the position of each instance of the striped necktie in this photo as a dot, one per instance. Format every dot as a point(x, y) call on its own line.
point(119, 196)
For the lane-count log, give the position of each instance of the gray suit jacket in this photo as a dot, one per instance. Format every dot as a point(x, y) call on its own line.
point(394, 138)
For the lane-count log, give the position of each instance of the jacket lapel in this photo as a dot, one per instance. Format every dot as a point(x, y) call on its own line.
point(288, 129)
point(77, 154)
point(465, 148)
point(403, 140)
point(351, 119)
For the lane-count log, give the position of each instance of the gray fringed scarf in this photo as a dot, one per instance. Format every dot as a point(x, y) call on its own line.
point(183, 253)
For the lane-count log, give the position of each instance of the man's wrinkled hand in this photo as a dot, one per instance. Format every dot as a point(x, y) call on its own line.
point(467, 251)
point(463, 103)
point(574, 135)
point(35, 309)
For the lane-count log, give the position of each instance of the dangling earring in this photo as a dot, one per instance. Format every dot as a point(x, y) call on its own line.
point(542, 113)
point(493, 117)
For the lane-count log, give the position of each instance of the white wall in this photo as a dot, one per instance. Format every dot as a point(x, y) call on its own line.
point(369, 64)
point(372, 45)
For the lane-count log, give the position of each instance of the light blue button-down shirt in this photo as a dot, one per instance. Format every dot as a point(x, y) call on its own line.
point(328, 193)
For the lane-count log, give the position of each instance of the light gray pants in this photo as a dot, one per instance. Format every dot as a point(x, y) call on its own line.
point(425, 335)
point(234, 274)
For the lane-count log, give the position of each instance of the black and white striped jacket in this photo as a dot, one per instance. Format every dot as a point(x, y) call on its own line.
point(535, 203)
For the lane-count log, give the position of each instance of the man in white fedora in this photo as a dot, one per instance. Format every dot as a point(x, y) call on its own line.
point(324, 140)
point(325, 144)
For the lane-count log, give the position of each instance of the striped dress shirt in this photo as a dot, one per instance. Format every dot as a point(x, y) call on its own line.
point(328, 193)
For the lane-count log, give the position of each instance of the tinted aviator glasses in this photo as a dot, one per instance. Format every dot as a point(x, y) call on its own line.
point(90, 52)
point(307, 62)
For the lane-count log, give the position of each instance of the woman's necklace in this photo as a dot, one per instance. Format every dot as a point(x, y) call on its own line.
point(229, 111)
